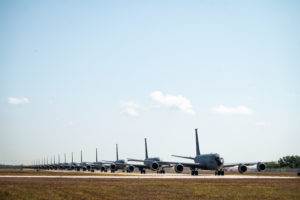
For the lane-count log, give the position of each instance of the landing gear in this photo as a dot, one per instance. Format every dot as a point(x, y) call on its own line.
point(194, 172)
point(112, 171)
point(161, 171)
point(143, 171)
point(219, 173)
point(92, 170)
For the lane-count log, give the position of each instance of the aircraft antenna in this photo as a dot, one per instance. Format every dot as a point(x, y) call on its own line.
point(197, 144)
point(146, 149)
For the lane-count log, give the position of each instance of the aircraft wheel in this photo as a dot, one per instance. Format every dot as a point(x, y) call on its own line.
point(193, 172)
point(222, 173)
point(196, 173)
point(163, 171)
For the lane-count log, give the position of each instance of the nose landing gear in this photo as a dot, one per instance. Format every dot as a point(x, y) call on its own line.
point(194, 172)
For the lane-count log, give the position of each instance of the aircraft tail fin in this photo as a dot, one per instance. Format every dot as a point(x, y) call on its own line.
point(197, 144)
point(146, 149)
point(96, 155)
point(186, 157)
point(117, 153)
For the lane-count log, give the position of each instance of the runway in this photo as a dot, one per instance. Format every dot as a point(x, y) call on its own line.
point(156, 176)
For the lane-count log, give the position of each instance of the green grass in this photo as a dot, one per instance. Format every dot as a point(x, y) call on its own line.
point(233, 189)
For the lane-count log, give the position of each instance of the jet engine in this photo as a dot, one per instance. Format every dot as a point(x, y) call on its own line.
point(178, 168)
point(154, 166)
point(242, 168)
point(260, 166)
point(88, 168)
point(113, 166)
point(130, 168)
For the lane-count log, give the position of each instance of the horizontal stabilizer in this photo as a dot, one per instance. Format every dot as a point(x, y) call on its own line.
point(186, 157)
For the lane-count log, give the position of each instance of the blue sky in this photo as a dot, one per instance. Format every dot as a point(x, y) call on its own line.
point(84, 74)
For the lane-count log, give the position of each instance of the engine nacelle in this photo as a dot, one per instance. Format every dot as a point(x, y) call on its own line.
point(113, 166)
point(178, 168)
point(260, 166)
point(242, 168)
point(154, 166)
point(130, 168)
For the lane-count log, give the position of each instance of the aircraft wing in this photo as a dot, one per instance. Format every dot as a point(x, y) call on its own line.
point(243, 163)
point(193, 165)
point(140, 166)
point(186, 157)
point(107, 162)
point(136, 160)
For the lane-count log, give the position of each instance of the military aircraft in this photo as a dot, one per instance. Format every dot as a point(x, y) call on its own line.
point(211, 162)
point(82, 165)
point(102, 166)
point(153, 163)
point(120, 164)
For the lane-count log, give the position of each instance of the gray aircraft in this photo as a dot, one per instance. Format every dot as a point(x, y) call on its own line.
point(153, 163)
point(82, 165)
point(72, 165)
point(102, 166)
point(120, 164)
point(210, 162)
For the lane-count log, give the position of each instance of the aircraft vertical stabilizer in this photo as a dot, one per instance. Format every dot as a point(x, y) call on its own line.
point(146, 149)
point(117, 152)
point(197, 144)
point(96, 155)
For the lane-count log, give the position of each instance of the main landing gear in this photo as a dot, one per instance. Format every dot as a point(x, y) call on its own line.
point(161, 171)
point(219, 173)
point(143, 171)
point(194, 172)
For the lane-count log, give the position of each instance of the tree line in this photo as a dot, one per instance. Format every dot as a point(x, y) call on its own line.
point(285, 162)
